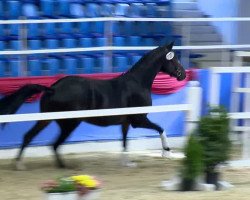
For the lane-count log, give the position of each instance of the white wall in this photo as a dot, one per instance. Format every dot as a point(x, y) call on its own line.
point(244, 27)
point(223, 8)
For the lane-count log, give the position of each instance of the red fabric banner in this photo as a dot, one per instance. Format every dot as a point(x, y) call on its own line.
point(163, 83)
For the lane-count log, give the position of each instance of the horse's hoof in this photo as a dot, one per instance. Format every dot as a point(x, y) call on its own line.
point(130, 164)
point(172, 155)
point(20, 166)
point(61, 166)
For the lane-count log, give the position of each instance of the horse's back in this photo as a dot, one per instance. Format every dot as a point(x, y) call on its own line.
point(78, 93)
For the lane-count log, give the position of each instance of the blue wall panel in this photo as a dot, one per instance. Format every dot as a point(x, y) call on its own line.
point(204, 77)
point(225, 89)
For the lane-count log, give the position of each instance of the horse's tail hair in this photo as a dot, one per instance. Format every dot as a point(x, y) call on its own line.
point(10, 103)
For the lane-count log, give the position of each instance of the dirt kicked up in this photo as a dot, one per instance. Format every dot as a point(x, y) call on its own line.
point(119, 183)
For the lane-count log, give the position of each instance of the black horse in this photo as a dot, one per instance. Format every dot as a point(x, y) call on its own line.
point(131, 89)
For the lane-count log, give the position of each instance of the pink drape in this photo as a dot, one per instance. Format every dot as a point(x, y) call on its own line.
point(163, 84)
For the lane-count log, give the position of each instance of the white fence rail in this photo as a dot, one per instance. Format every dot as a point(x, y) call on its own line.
point(215, 80)
point(93, 113)
point(215, 83)
point(121, 48)
point(113, 19)
point(108, 33)
point(126, 19)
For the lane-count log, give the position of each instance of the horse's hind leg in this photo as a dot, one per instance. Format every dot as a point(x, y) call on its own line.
point(124, 156)
point(28, 137)
point(125, 128)
point(67, 126)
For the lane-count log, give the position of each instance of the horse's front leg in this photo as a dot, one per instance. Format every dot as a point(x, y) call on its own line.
point(141, 121)
point(166, 151)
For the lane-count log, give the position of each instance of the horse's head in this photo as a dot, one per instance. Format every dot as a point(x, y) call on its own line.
point(171, 64)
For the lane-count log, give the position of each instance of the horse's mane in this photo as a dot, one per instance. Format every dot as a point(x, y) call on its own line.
point(144, 59)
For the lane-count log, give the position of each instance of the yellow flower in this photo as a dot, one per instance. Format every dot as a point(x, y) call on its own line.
point(80, 178)
point(86, 180)
point(89, 183)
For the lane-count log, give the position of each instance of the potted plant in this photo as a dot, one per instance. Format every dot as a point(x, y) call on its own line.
point(80, 187)
point(192, 164)
point(213, 130)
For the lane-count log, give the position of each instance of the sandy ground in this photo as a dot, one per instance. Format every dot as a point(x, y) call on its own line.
point(120, 183)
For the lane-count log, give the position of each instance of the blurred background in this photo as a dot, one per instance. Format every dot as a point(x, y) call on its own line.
point(30, 53)
point(36, 36)
point(200, 42)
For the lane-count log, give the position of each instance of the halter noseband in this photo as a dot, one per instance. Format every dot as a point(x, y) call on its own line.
point(178, 72)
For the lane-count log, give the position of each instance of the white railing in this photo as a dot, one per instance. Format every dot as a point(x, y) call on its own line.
point(186, 31)
point(215, 83)
point(112, 19)
point(120, 48)
point(93, 113)
point(234, 116)
point(215, 80)
point(139, 19)
point(113, 48)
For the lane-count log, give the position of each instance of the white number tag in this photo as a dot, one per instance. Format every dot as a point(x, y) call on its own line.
point(170, 55)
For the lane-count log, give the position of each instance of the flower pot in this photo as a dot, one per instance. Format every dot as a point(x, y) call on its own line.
point(70, 196)
point(212, 178)
point(61, 196)
point(187, 185)
point(91, 195)
point(53, 196)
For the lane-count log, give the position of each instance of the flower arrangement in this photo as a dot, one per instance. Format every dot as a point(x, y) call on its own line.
point(85, 183)
point(81, 185)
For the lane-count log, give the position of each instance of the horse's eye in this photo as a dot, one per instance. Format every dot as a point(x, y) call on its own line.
point(170, 55)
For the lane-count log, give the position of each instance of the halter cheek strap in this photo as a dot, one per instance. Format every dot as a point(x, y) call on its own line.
point(170, 55)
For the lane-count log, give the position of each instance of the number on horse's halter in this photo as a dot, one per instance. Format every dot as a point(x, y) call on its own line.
point(170, 55)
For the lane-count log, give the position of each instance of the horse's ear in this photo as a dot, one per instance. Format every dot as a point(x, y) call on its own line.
point(170, 46)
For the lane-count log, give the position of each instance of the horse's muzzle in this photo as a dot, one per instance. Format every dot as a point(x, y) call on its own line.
point(181, 76)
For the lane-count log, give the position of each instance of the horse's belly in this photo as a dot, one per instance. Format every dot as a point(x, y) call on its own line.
point(106, 121)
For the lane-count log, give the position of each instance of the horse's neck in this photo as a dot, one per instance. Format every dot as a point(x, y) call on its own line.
point(146, 69)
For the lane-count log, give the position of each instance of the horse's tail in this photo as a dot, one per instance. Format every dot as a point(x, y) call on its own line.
point(10, 103)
